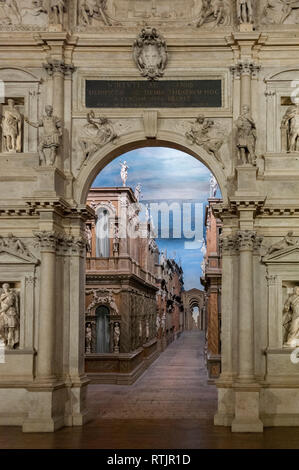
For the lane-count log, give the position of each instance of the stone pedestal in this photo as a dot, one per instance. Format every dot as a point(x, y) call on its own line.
point(246, 175)
point(247, 411)
point(51, 182)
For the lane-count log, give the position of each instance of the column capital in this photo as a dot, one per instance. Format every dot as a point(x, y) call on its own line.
point(58, 66)
point(47, 240)
point(228, 245)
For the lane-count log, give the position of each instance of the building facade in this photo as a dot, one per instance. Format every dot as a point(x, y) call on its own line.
point(121, 279)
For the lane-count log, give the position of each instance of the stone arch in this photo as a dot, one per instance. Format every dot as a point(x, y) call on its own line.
point(131, 142)
point(193, 298)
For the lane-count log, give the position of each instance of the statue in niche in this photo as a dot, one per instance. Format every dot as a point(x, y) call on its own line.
point(96, 9)
point(116, 337)
point(137, 192)
point(200, 135)
point(95, 134)
point(58, 8)
point(51, 138)
point(290, 128)
point(150, 53)
point(287, 242)
point(12, 128)
point(217, 12)
point(9, 12)
point(124, 172)
point(9, 316)
point(245, 11)
point(115, 240)
point(246, 137)
point(291, 319)
point(88, 339)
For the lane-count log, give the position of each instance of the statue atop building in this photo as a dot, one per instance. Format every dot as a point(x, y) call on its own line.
point(51, 138)
point(12, 128)
point(246, 137)
point(124, 172)
point(213, 186)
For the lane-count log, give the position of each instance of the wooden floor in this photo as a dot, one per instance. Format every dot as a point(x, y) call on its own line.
point(169, 407)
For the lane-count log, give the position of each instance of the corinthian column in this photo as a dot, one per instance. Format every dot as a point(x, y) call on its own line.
point(245, 71)
point(246, 241)
point(47, 311)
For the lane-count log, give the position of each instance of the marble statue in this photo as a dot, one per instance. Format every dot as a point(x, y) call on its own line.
point(158, 323)
point(116, 337)
point(287, 9)
point(245, 11)
point(115, 240)
point(150, 53)
point(12, 128)
point(216, 12)
point(246, 137)
point(51, 138)
point(124, 172)
point(9, 316)
point(163, 322)
point(290, 128)
point(291, 319)
point(58, 7)
point(94, 9)
point(286, 242)
point(95, 134)
point(88, 236)
point(213, 186)
point(88, 339)
point(9, 12)
point(200, 135)
point(137, 192)
point(147, 329)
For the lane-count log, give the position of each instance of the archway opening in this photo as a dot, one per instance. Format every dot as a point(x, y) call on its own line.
point(148, 261)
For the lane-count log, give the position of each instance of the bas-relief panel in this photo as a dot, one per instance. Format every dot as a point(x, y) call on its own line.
point(24, 15)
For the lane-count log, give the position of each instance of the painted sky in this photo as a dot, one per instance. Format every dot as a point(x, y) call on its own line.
point(172, 177)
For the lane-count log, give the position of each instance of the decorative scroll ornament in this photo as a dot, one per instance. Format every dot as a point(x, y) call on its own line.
point(150, 53)
point(104, 297)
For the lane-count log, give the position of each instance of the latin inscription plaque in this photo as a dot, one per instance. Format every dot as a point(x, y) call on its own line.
point(159, 94)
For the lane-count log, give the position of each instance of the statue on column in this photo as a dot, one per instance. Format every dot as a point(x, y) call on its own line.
point(116, 337)
point(246, 137)
point(9, 316)
point(58, 7)
point(291, 319)
point(245, 11)
point(12, 128)
point(290, 128)
point(124, 172)
point(51, 138)
point(137, 192)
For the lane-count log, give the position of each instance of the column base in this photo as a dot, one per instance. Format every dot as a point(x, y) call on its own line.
point(247, 406)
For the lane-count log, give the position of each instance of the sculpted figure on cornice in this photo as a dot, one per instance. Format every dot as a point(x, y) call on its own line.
point(200, 134)
point(246, 137)
point(15, 246)
point(51, 138)
point(9, 316)
point(95, 134)
point(216, 12)
point(11, 128)
point(287, 242)
point(150, 53)
point(290, 129)
point(280, 12)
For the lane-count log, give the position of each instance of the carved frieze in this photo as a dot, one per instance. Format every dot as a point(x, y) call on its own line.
point(150, 53)
point(14, 246)
point(23, 15)
point(214, 13)
point(279, 12)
